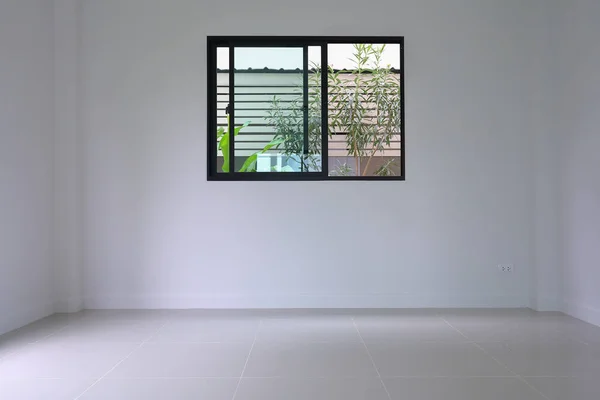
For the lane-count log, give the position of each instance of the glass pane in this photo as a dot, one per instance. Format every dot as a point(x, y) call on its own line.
point(278, 128)
point(364, 110)
point(222, 101)
point(315, 140)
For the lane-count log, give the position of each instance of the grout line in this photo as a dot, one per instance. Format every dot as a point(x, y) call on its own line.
point(518, 376)
point(193, 342)
point(295, 377)
point(121, 361)
point(51, 334)
point(247, 360)
point(371, 358)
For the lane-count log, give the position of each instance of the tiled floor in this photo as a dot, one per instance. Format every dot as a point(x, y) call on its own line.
point(363, 355)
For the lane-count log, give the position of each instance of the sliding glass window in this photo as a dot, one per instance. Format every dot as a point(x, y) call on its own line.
point(305, 108)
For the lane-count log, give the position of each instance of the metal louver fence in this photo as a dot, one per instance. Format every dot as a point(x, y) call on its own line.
point(255, 92)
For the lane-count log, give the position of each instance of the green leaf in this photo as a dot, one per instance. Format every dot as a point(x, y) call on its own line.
point(239, 128)
point(224, 142)
point(250, 162)
point(224, 147)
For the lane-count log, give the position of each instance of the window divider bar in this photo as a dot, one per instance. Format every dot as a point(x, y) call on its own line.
point(212, 117)
point(324, 112)
point(231, 109)
point(402, 114)
point(305, 108)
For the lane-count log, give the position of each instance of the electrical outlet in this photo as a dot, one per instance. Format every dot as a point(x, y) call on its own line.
point(506, 267)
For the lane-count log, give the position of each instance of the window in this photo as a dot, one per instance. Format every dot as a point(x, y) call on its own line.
point(306, 108)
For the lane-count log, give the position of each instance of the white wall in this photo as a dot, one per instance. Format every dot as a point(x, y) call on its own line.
point(68, 188)
point(579, 122)
point(543, 34)
point(156, 232)
point(26, 153)
point(482, 154)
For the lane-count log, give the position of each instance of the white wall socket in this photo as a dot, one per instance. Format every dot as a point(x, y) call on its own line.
point(506, 267)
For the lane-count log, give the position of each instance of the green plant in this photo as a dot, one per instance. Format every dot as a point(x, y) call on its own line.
point(223, 138)
point(386, 169)
point(250, 163)
point(288, 121)
point(342, 169)
point(365, 107)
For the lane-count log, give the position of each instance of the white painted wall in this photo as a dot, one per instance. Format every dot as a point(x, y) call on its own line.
point(579, 127)
point(543, 34)
point(26, 155)
point(156, 233)
point(150, 230)
point(68, 188)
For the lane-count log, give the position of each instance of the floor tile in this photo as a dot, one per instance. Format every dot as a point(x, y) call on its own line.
point(309, 329)
point(394, 329)
point(567, 388)
point(579, 330)
point(43, 389)
point(509, 314)
point(398, 312)
point(311, 389)
point(434, 359)
point(11, 344)
point(162, 389)
point(108, 330)
point(64, 360)
point(32, 333)
point(484, 330)
point(568, 359)
point(297, 360)
point(224, 330)
point(127, 315)
point(461, 389)
point(185, 360)
point(302, 354)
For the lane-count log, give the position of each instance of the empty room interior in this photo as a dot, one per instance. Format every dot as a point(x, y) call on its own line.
point(299, 200)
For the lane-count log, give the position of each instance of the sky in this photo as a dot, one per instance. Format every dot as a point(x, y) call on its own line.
point(291, 58)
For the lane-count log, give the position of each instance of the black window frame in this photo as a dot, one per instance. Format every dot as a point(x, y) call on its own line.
point(214, 42)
